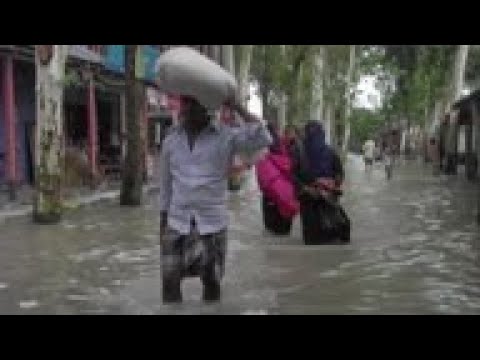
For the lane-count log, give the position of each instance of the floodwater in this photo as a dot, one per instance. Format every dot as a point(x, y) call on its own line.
point(415, 250)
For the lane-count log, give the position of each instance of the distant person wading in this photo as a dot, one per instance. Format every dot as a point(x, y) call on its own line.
point(369, 154)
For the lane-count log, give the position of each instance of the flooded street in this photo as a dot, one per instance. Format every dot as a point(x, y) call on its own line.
point(415, 250)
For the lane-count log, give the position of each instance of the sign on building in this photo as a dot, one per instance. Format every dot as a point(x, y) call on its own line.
point(147, 56)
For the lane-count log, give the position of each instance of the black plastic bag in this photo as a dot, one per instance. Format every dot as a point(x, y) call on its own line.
point(272, 219)
point(324, 222)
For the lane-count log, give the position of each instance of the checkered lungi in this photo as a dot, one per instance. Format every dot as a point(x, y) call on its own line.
point(193, 255)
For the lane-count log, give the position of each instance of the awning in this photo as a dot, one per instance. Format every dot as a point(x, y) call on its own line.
point(83, 53)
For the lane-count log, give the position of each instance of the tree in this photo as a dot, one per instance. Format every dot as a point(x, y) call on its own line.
point(229, 58)
point(458, 81)
point(459, 68)
point(131, 191)
point(297, 81)
point(365, 124)
point(268, 69)
point(472, 71)
point(50, 61)
point(282, 111)
point(243, 54)
point(338, 90)
point(348, 96)
point(422, 81)
point(317, 111)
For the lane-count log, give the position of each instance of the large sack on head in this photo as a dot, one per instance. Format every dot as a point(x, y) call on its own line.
point(185, 71)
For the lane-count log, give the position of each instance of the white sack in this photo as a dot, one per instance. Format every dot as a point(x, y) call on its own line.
point(184, 71)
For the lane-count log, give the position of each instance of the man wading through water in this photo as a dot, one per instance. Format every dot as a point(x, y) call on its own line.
point(195, 163)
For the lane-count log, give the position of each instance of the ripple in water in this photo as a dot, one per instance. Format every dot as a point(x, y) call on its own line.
point(28, 304)
point(255, 312)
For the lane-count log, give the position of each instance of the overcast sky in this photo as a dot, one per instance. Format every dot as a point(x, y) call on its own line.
point(367, 96)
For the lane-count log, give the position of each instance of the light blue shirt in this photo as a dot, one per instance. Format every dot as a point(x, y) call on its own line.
point(194, 183)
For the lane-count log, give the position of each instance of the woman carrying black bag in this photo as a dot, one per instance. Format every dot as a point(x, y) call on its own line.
point(319, 176)
point(274, 222)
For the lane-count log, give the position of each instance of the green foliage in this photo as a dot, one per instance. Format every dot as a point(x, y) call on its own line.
point(365, 124)
point(289, 71)
point(72, 79)
point(423, 75)
point(472, 75)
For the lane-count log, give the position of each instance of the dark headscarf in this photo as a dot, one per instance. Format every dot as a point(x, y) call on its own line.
point(320, 156)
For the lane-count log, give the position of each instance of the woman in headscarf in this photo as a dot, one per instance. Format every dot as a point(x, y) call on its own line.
point(319, 176)
point(274, 174)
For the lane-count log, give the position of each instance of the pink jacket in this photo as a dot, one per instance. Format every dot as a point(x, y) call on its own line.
point(275, 181)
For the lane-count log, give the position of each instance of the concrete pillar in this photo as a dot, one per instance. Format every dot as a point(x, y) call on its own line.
point(92, 128)
point(10, 126)
point(470, 164)
point(144, 119)
point(115, 119)
point(123, 127)
point(476, 122)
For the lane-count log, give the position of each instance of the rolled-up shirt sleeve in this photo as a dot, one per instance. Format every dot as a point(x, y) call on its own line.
point(251, 137)
point(165, 183)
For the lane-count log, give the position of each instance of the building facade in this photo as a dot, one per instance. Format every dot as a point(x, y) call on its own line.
point(94, 105)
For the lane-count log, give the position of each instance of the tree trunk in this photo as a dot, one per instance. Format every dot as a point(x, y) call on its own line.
point(329, 126)
point(228, 58)
point(348, 104)
point(131, 192)
point(298, 95)
point(330, 131)
point(437, 113)
point(264, 99)
point(469, 155)
point(476, 122)
point(317, 98)
point(408, 138)
point(123, 127)
point(49, 152)
point(294, 95)
point(424, 142)
point(282, 111)
point(216, 53)
point(244, 73)
point(264, 89)
point(457, 87)
point(459, 71)
point(433, 132)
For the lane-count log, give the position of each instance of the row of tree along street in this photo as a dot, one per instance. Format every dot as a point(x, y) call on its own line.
point(418, 85)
